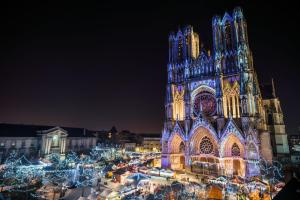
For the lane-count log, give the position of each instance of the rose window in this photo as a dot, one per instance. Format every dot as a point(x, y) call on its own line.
point(235, 150)
point(206, 146)
point(205, 102)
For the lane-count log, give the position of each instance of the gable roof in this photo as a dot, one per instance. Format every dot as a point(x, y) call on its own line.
point(202, 121)
point(226, 18)
point(232, 128)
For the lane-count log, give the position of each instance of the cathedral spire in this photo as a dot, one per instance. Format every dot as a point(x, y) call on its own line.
point(273, 89)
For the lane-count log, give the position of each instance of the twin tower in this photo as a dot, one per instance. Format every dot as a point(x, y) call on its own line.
point(216, 120)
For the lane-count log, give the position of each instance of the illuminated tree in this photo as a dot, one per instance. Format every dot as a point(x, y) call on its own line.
point(271, 171)
point(72, 157)
point(57, 173)
point(96, 154)
point(19, 172)
point(20, 176)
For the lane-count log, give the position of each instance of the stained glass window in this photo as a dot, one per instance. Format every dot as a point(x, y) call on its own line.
point(181, 147)
point(206, 102)
point(206, 146)
point(235, 150)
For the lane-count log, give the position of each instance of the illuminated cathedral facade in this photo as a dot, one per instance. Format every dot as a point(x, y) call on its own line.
point(216, 120)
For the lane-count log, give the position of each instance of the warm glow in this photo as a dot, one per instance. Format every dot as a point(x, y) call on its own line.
point(231, 100)
point(178, 104)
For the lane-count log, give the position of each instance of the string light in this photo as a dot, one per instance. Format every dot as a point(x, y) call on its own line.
point(20, 175)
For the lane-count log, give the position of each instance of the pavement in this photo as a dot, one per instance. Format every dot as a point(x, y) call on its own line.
point(74, 194)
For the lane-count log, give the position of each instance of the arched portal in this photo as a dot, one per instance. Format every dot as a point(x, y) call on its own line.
point(204, 152)
point(233, 147)
point(203, 142)
point(177, 152)
point(233, 155)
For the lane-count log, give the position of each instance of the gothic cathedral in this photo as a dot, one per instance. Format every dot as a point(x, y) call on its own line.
point(217, 121)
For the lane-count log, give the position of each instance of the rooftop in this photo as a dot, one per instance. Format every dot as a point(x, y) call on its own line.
point(23, 130)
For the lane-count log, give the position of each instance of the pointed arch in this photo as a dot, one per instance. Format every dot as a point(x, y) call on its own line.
point(226, 18)
point(178, 130)
point(202, 88)
point(231, 134)
point(203, 141)
point(180, 46)
point(175, 143)
point(252, 135)
point(178, 104)
point(182, 147)
point(252, 152)
point(201, 122)
point(228, 32)
point(231, 128)
point(230, 143)
point(231, 99)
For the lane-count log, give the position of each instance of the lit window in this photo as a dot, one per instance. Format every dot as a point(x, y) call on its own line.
point(181, 148)
point(206, 146)
point(55, 141)
point(235, 150)
point(55, 137)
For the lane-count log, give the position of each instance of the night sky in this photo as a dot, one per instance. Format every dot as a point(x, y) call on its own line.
point(95, 66)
